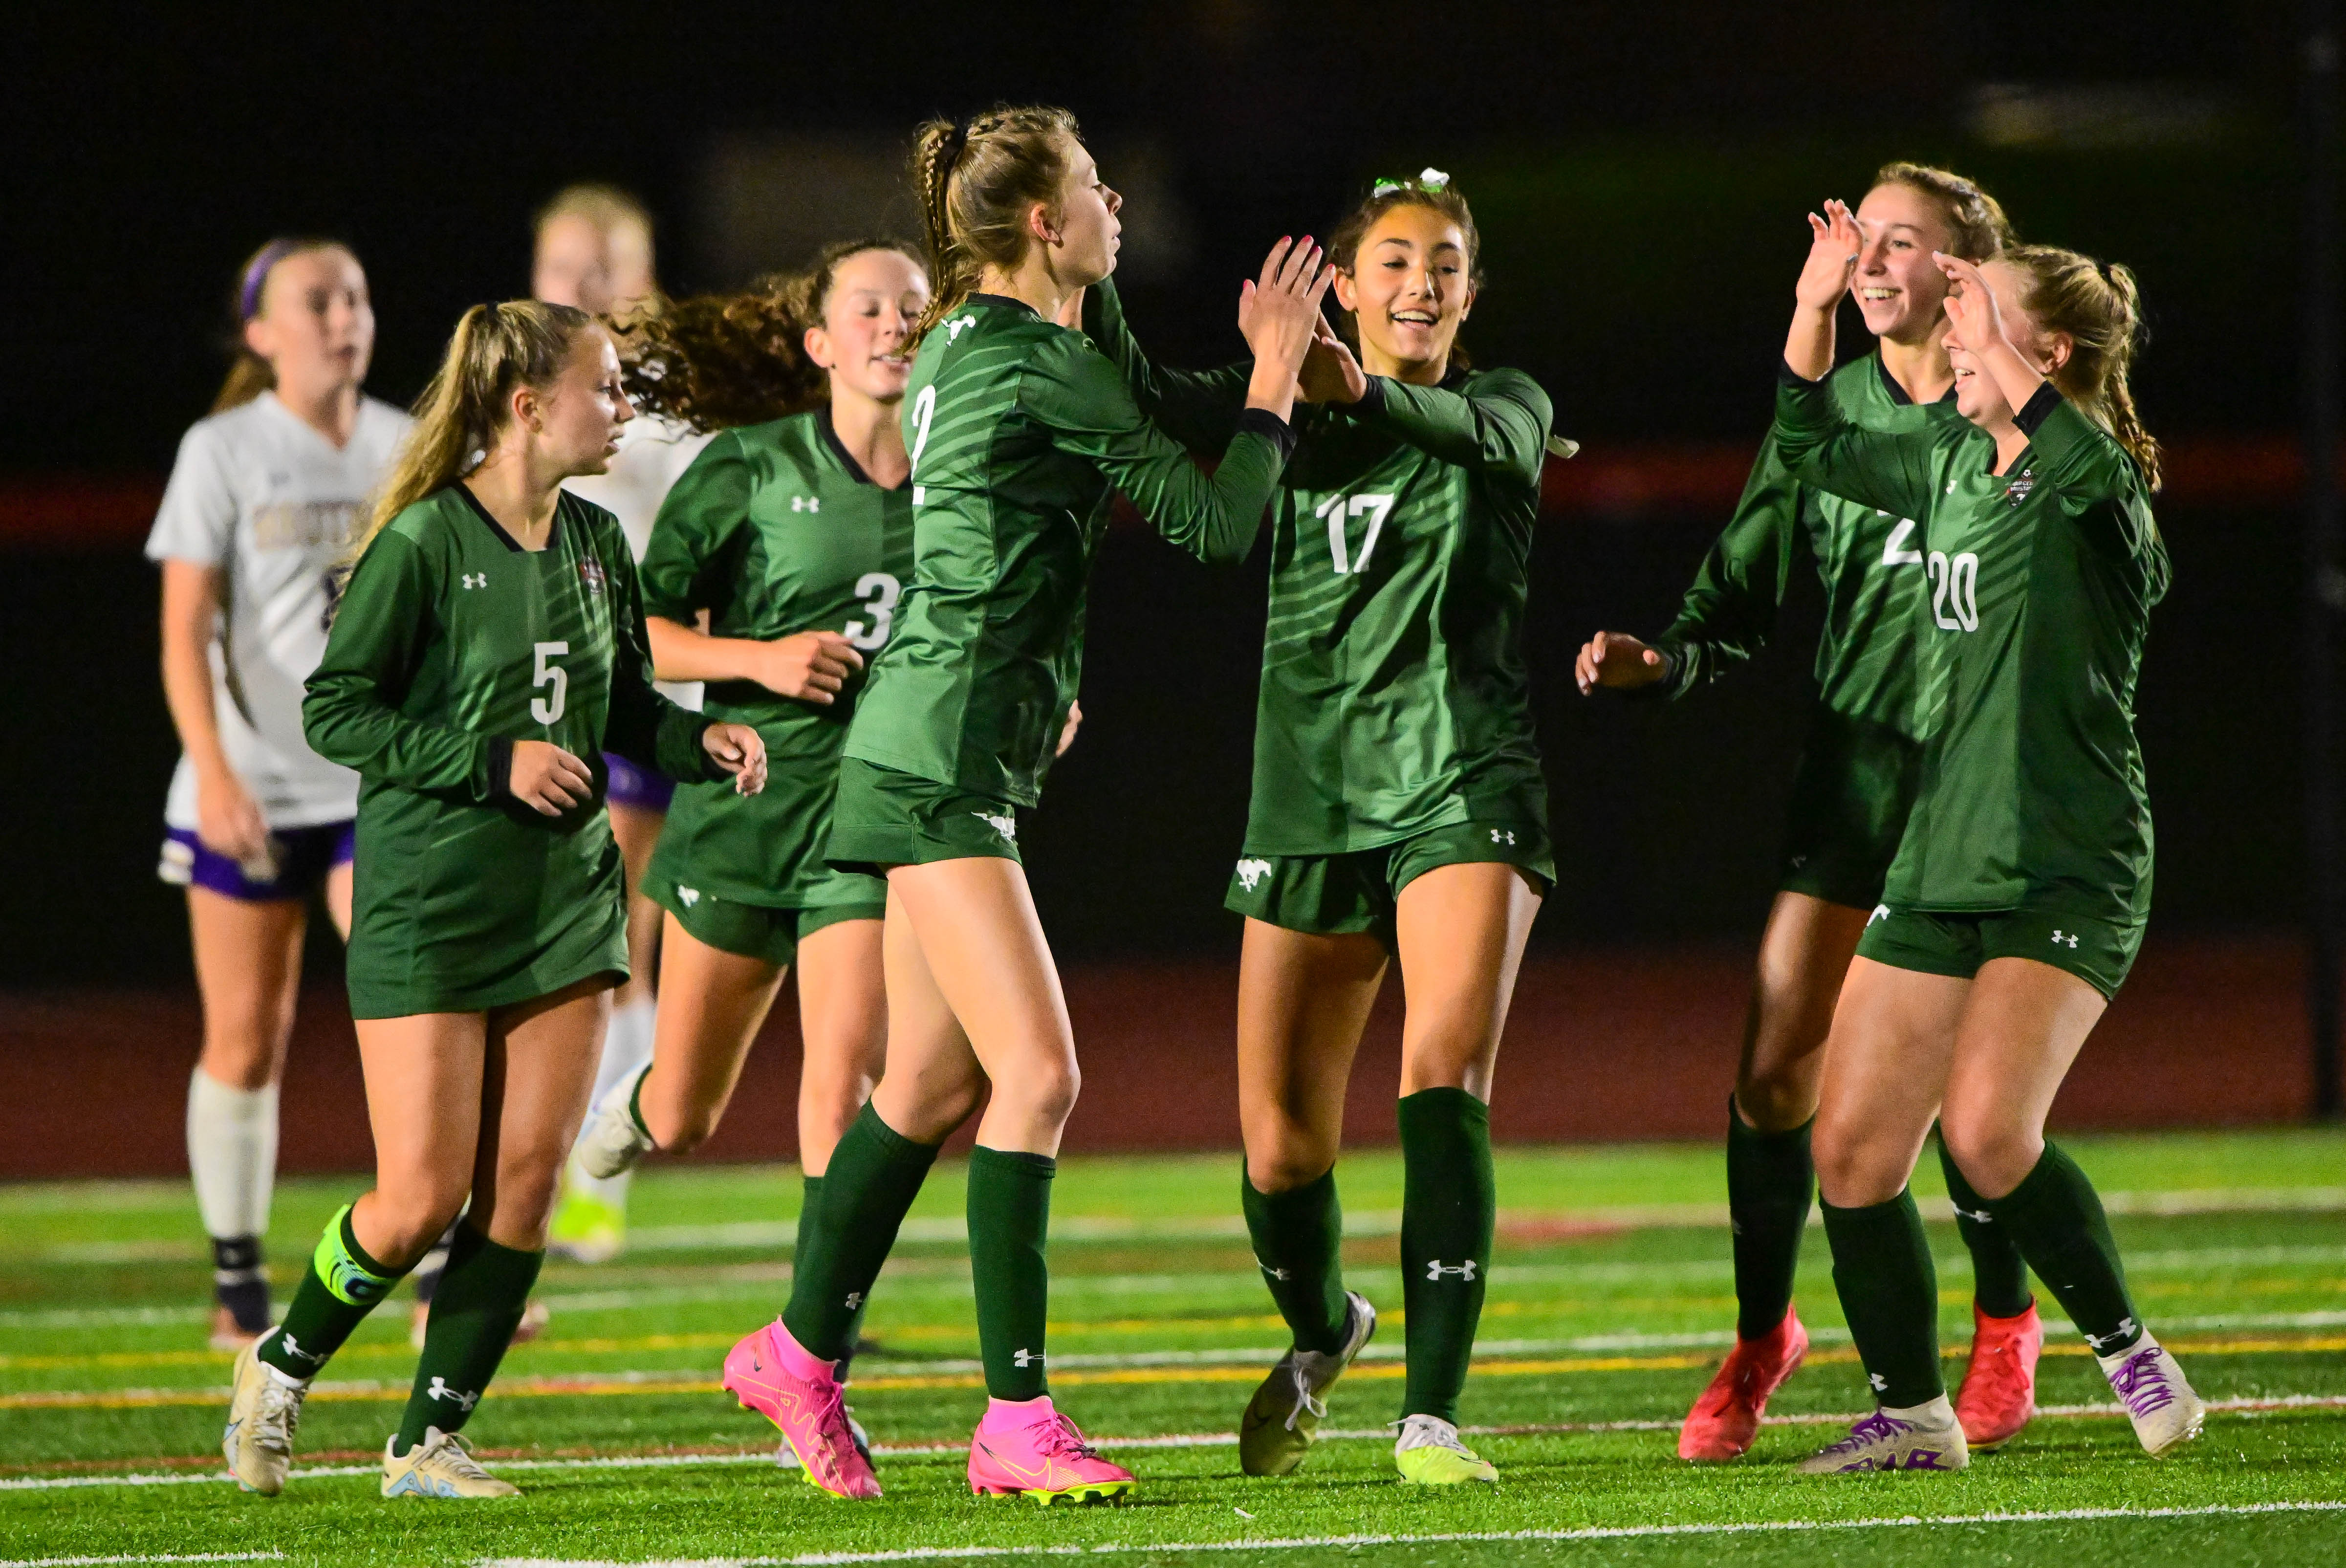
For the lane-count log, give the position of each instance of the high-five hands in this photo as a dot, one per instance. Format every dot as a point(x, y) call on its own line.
point(1279, 312)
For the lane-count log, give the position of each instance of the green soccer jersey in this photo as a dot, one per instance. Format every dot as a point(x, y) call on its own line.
point(773, 530)
point(1021, 433)
point(2040, 584)
point(451, 643)
point(1394, 698)
point(1867, 559)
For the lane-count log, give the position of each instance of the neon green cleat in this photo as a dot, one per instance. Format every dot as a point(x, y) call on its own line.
point(587, 1227)
point(1430, 1453)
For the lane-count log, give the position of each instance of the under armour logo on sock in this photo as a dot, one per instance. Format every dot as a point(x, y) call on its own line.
point(854, 1299)
point(294, 1351)
point(2118, 1336)
point(1027, 1358)
point(1977, 1216)
point(457, 1397)
point(1880, 1384)
point(1275, 1273)
point(1435, 1269)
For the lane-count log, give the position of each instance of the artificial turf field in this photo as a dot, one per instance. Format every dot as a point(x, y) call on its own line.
point(1609, 1303)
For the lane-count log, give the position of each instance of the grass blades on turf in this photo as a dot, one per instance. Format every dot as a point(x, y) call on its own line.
point(1610, 1301)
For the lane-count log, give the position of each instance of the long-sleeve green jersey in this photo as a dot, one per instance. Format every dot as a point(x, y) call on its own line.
point(1869, 561)
point(2039, 587)
point(1021, 432)
point(1394, 696)
point(775, 530)
point(451, 643)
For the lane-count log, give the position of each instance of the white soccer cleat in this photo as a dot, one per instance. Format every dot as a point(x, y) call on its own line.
point(613, 1143)
point(442, 1465)
point(1919, 1437)
point(2158, 1399)
point(1282, 1420)
point(264, 1406)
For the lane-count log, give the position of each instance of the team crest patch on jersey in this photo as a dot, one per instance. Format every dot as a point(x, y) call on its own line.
point(590, 574)
point(1252, 872)
point(2023, 483)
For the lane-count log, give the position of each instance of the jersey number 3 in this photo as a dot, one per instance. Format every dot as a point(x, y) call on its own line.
point(880, 593)
point(549, 709)
point(1337, 510)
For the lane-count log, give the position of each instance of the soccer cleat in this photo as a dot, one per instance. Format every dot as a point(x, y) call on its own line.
point(613, 1142)
point(1726, 1417)
point(587, 1227)
point(1284, 1418)
point(2164, 1410)
point(809, 1409)
point(1919, 1437)
point(535, 1315)
point(788, 1459)
point(1999, 1393)
point(442, 1465)
point(1043, 1458)
point(1429, 1451)
point(229, 1336)
point(264, 1406)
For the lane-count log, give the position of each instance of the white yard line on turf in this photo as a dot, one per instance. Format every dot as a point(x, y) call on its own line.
point(2275, 1404)
point(1322, 1542)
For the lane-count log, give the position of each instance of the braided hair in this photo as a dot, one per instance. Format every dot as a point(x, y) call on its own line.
point(976, 182)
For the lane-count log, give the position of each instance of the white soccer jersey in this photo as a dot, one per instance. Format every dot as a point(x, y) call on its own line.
point(272, 504)
point(653, 454)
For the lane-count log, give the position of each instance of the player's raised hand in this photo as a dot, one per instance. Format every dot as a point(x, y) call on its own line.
point(549, 779)
point(1972, 313)
point(741, 750)
point(1832, 256)
point(810, 665)
point(1278, 311)
point(1619, 660)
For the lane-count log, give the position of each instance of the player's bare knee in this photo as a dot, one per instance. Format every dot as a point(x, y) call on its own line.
point(1994, 1154)
point(1287, 1168)
point(1856, 1166)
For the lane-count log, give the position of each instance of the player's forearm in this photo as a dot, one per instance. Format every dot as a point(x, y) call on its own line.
point(1809, 345)
point(1488, 434)
point(681, 652)
point(187, 694)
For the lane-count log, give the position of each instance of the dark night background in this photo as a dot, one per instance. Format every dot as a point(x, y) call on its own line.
point(1639, 172)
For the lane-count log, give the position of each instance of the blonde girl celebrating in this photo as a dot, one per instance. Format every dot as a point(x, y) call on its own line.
point(489, 646)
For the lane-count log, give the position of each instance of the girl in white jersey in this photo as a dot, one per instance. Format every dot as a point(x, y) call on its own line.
point(259, 512)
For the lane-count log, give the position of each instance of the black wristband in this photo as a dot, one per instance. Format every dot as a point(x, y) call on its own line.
point(2039, 409)
point(1269, 426)
point(500, 769)
point(1787, 376)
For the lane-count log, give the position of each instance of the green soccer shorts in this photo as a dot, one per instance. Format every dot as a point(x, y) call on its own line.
point(1851, 797)
point(882, 818)
point(2096, 950)
point(756, 930)
point(1360, 890)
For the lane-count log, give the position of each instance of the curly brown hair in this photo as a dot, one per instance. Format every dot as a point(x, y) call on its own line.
point(717, 362)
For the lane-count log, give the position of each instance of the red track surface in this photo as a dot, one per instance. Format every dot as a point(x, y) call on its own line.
point(1637, 1044)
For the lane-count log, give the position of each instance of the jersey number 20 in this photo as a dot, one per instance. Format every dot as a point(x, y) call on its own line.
point(1954, 591)
point(1337, 510)
point(549, 709)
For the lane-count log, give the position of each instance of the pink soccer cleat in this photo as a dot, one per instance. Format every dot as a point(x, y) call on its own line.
point(1999, 1393)
point(1028, 1449)
point(1726, 1417)
point(770, 1373)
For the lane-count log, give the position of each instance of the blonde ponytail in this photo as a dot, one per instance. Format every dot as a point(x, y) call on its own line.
point(461, 415)
point(2099, 305)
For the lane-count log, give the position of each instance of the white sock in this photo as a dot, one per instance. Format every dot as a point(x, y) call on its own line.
point(232, 1152)
point(626, 1045)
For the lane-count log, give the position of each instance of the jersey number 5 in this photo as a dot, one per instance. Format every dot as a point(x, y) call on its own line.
point(880, 593)
point(1339, 509)
point(547, 709)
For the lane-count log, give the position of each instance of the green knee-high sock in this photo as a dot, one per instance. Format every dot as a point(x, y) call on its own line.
point(809, 1204)
point(1449, 1206)
point(482, 1294)
point(2055, 1217)
point(341, 1286)
point(875, 1175)
point(1298, 1243)
point(1890, 1293)
point(1009, 1226)
point(1999, 1277)
point(1768, 1179)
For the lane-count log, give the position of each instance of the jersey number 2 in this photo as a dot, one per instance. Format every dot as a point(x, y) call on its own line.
point(547, 709)
point(880, 593)
point(924, 409)
point(1337, 510)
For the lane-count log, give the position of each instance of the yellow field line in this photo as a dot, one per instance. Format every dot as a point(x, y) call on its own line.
point(549, 1388)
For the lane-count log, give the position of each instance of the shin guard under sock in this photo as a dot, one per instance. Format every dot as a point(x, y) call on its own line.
point(1298, 1239)
point(875, 1175)
point(341, 1286)
point(2056, 1218)
point(1769, 1179)
point(1999, 1277)
point(482, 1294)
point(1890, 1293)
point(1009, 1233)
point(1448, 1209)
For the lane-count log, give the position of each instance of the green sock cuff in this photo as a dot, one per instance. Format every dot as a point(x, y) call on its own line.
point(1435, 1110)
point(895, 1147)
point(636, 1109)
point(1013, 1162)
point(1793, 1143)
point(345, 1268)
point(482, 1270)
